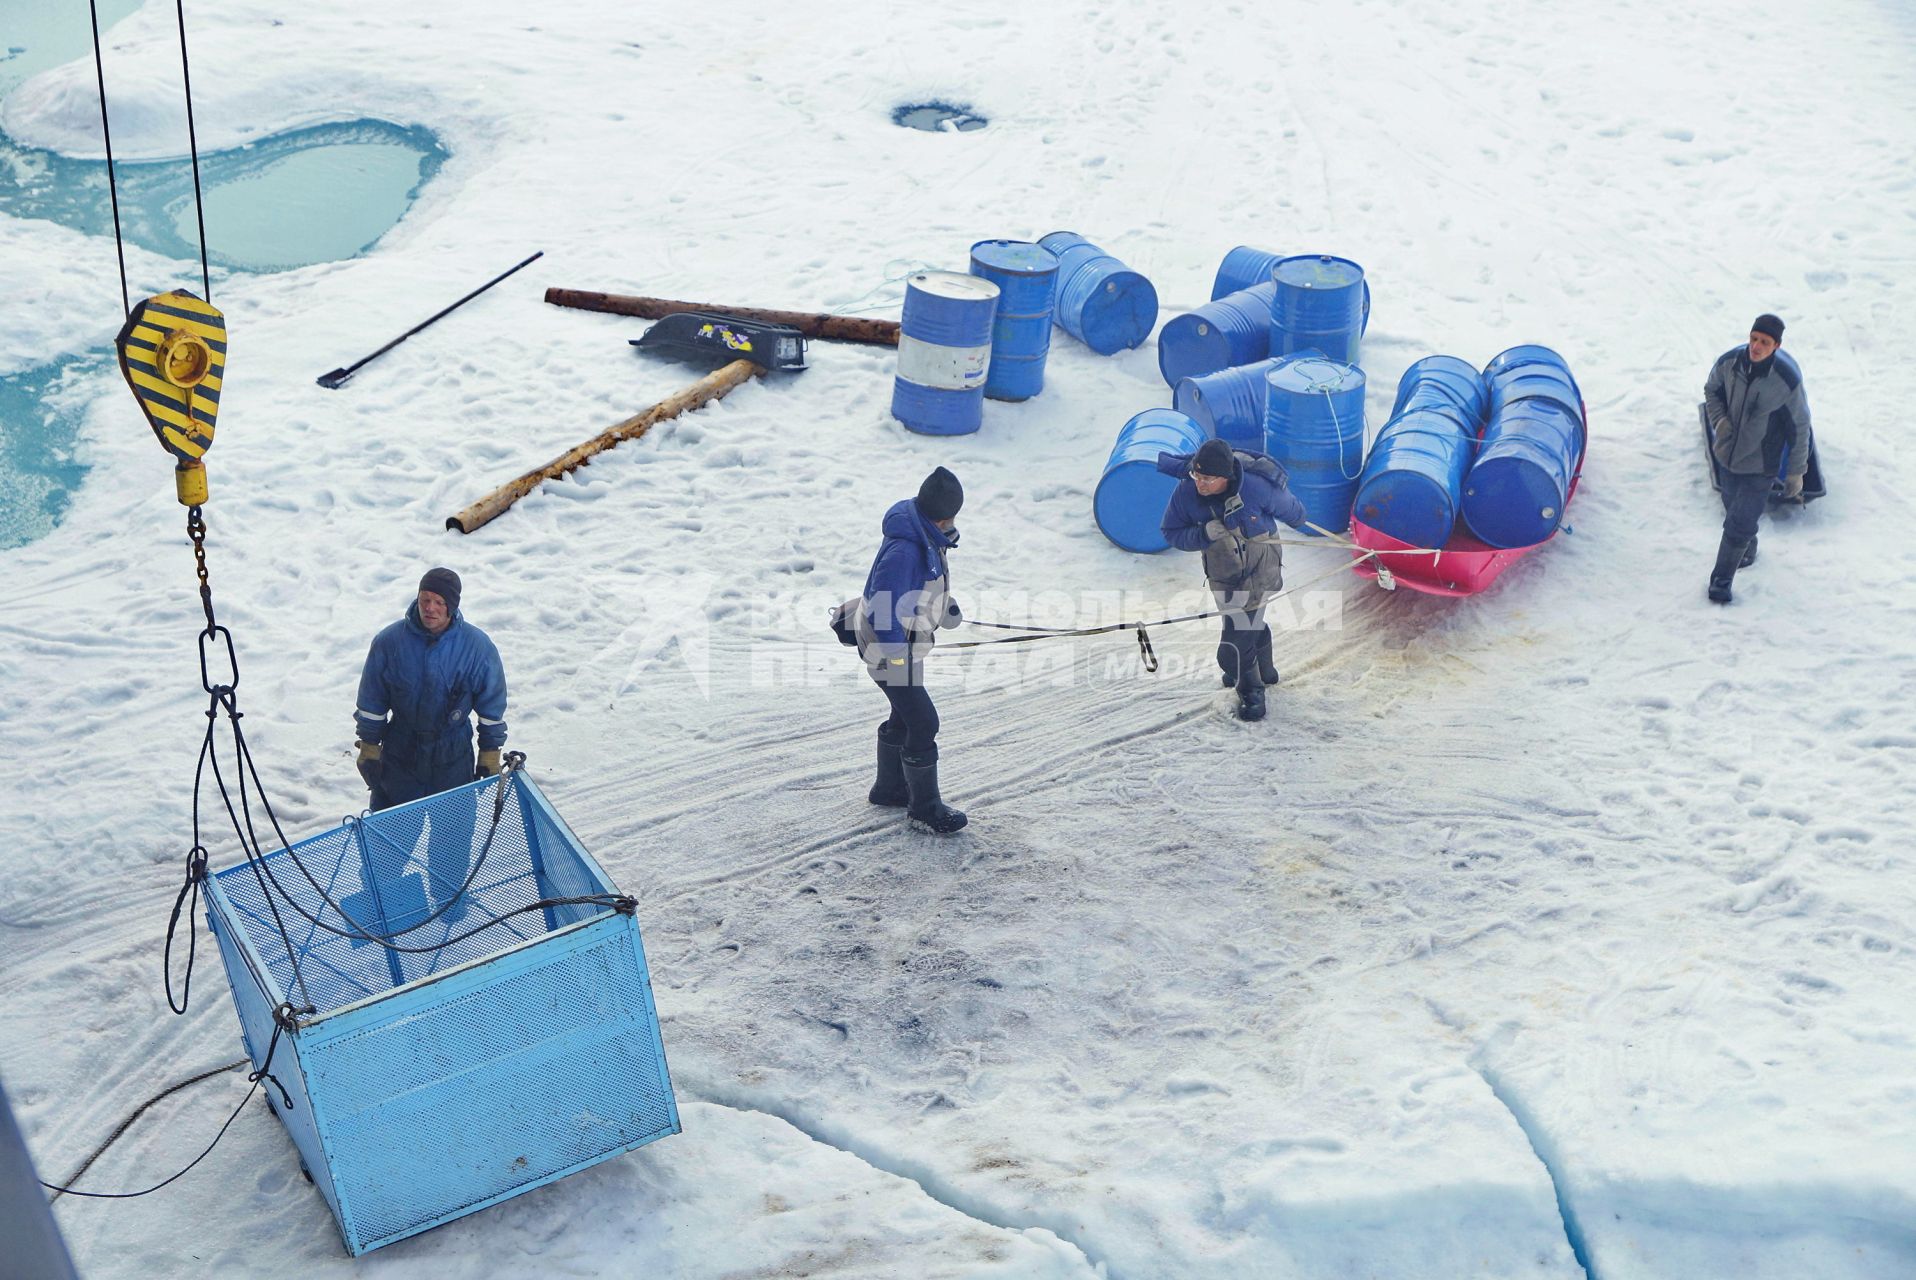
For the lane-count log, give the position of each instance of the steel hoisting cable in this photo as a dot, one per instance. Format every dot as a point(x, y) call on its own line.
point(128, 1123)
point(263, 871)
point(224, 698)
point(283, 1020)
point(193, 148)
point(106, 131)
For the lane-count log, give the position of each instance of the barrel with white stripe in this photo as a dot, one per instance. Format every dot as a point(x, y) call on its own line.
point(944, 353)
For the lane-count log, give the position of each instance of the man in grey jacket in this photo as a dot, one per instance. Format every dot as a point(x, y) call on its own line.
point(1757, 409)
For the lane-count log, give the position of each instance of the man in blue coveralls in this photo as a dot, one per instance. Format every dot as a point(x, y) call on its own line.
point(431, 672)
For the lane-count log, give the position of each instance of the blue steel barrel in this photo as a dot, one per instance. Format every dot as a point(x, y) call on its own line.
point(1534, 382)
point(1027, 280)
point(1515, 491)
point(1314, 426)
point(1412, 485)
point(1228, 404)
point(1132, 493)
point(1244, 266)
point(1221, 334)
point(944, 353)
point(1101, 302)
point(1319, 303)
point(1435, 380)
point(1526, 353)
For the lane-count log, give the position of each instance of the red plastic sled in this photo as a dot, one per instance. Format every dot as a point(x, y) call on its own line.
point(1465, 565)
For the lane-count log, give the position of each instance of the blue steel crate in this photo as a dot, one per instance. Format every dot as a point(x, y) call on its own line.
point(427, 1086)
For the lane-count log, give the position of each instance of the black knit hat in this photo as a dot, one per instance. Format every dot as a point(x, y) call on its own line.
point(940, 497)
point(1213, 458)
point(1767, 323)
point(443, 583)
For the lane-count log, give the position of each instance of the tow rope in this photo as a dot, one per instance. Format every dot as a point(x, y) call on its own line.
point(1148, 655)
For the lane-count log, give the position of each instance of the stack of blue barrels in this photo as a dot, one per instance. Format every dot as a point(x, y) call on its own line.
point(1268, 365)
point(1244, 266)
point(1412, 486)
point(1314, 428)
point(1027, 278)
point(1516, 490)
point(1101, 302)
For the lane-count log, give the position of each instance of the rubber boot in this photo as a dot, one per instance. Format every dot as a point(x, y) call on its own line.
point(1729, 555)
point(890, 789)
point(1749, 555)
point(1266, 664)
point(928, 812)
point(1250, 695)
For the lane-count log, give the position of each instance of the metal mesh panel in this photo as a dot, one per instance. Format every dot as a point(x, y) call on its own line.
point(552, 1064)
point(389, 871)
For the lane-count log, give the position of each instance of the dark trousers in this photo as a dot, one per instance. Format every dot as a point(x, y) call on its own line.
point(913, 722)
point(1745, 498)
point(1237, 649)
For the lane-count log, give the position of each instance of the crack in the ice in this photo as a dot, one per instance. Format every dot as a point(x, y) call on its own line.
point(1540, 1144)
point(920, 1176)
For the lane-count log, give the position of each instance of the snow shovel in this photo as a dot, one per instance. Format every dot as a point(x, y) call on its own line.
point(704, 335)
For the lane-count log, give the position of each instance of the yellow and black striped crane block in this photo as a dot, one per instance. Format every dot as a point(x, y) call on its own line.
point(173, 354)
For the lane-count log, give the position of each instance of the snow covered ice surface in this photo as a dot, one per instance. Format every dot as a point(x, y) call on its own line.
point(1564, 930)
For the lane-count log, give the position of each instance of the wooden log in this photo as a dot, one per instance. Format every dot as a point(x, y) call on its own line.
point(706, 389)
point(882, 333)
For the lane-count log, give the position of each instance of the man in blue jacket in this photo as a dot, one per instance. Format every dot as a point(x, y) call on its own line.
point(431, 672)
point(906, 601)
point(1228, 505)
point(1759, 423)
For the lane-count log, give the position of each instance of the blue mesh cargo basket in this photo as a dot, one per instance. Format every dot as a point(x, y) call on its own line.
point(515, 1041)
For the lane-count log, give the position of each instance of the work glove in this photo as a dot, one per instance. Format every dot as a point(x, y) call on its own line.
point(369, 763)
point(1793, 487)
point(1214, 529)
point(488, 765)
